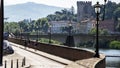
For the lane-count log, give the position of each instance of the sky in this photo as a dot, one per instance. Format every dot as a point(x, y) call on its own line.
point(59, 3)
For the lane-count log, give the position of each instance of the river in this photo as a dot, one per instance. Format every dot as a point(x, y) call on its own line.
point(111, 62)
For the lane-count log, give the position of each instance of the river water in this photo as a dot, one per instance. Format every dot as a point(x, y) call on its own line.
point(111, 62)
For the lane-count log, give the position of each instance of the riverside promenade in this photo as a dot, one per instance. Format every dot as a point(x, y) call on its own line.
point(34, 59)
point(40, 59)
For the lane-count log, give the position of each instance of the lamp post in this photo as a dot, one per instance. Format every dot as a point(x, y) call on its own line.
point(1, 30)
point(37, 34)
point(70, 38)
point(50, 33)
point(70, 27)
point(97, 11)
point(20, 32)
point(104, 9)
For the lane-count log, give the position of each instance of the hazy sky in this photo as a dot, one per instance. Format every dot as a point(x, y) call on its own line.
point(60, 3)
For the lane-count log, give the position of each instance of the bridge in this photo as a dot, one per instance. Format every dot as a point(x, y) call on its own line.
point(67, 57)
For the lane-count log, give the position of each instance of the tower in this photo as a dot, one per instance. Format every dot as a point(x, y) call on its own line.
point(84, 10)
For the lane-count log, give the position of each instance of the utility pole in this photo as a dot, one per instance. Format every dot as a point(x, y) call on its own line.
point(1, 30)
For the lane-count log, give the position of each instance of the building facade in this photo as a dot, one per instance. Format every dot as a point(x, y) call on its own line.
point(84, 10)
point(58, 25)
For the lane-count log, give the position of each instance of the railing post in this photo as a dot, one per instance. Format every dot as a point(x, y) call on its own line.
point(23, 62)
point(5, 64)
point(11, 63)
point(25, 44)
point(17, 64)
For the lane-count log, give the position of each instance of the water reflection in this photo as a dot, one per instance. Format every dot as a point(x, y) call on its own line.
point(112, 62)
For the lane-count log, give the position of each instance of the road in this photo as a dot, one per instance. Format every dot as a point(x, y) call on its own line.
point(37, 61)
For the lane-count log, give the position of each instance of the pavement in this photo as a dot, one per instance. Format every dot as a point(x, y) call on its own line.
point(45, 60)
point(46, 55)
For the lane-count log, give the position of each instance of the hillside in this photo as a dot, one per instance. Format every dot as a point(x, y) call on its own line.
point(28, 10)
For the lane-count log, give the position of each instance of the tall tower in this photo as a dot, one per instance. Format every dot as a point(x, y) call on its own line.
point(84, 10)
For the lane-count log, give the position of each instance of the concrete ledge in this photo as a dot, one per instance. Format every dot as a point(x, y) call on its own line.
point(89, 63)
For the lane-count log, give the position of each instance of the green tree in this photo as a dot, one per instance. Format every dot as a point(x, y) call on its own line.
point(92, 31)
point(118, 27)
point(11, 27)
point(64, 14)
point(23, 26)
point(115, 44)
point(117, 12)
point(42, 25)
point(110, 8)
point(101, 31)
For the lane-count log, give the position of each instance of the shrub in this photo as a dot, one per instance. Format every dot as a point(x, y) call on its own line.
point(44, 40)
point(115, 44)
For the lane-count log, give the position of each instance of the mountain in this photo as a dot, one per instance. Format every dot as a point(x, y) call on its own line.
point(28, 10)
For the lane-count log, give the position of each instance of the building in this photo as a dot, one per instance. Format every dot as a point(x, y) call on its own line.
point(58, 25)
point(108, 25)
point(85, 26)
point(84, 10)
point(84, 16)
point(86, 20)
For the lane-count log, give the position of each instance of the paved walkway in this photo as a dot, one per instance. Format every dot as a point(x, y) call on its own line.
point(46, 55)
point(51, 62)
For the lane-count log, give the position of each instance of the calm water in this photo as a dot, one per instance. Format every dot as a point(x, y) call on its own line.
point(112, 62)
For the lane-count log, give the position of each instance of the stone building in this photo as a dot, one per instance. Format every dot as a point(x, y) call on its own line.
point(57, 26)
point(84, 10)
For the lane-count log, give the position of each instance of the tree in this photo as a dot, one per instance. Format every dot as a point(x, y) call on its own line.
point(42, 24)
point(101, 31)
point(92, 31)
point(11, 27)
point(64, 14)
point(72, 10)
point(110, 8)
point(117, 12)
point(118, 27)
point(104, 32)
point(23, 26)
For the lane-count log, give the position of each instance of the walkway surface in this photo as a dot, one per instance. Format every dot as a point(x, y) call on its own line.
point(35, 59)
